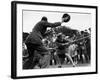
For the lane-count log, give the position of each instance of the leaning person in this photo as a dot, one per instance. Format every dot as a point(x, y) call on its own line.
point(34, 43)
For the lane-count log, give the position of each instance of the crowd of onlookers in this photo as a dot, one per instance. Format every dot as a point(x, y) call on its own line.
point(78, 47)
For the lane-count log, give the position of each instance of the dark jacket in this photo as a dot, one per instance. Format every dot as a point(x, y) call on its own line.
point(39, 30)
point(59, 43)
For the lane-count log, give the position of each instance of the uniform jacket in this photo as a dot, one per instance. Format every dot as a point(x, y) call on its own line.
point(39, 30)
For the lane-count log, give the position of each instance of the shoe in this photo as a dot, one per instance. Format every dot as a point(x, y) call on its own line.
point(74, 65)
point(59, 66)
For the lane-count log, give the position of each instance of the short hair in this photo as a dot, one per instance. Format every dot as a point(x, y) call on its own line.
point(44, 18)
point(82, 32)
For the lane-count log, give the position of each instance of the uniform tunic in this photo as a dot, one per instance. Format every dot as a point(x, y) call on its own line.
point(34, 43)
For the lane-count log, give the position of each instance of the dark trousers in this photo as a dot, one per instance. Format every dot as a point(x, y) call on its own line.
point(38, 55)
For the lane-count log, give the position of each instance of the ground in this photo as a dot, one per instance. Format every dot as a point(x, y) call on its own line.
point(69, 65)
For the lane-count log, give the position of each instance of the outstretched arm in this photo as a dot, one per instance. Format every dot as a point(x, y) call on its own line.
point(52, 24)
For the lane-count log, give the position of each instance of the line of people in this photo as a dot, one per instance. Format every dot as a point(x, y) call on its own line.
point(36, 48)
point(42, 51)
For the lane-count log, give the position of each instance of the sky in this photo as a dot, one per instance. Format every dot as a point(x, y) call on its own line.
point(79, 21)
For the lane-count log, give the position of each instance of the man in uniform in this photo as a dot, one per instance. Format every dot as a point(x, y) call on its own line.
point(34, 43)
